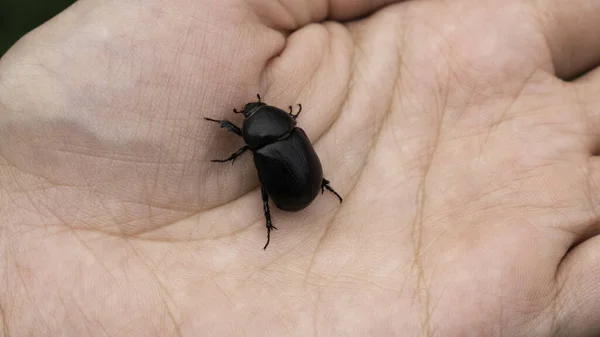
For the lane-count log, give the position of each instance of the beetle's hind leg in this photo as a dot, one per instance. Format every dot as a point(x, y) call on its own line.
point(227, 125)
point(297, 113)
point(325, 185)
point(233, 156)
point(270, 227)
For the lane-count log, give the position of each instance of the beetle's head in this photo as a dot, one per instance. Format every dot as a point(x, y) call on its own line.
point(250, 108)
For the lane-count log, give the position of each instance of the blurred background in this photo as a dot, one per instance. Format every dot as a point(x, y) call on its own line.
point(18, 17)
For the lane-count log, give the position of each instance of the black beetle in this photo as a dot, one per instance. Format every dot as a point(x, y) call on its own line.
point(288, 167)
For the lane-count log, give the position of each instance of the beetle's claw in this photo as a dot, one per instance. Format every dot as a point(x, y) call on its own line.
point(270, 227)
point(325, 184)
point(297, 113)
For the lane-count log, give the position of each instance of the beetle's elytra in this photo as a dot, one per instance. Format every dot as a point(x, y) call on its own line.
point(288, 167)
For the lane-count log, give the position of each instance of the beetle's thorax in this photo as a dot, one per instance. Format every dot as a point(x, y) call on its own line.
point(266, 124)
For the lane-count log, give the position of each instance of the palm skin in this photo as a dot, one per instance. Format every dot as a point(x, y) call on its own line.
point(465, 162)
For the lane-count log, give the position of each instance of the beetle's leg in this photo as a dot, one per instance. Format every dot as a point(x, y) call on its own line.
point(270, 227)
point(227, 125)
point(325, 185)
point(233, 156)
point(298, 113)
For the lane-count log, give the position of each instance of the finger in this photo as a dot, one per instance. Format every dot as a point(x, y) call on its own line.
point(578, 301)
point(587, 88)
point(291, 15)
point(350, 9)
point(572, 32)
point(587, 225)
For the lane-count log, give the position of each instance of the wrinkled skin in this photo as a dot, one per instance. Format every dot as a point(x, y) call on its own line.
point(461, 135)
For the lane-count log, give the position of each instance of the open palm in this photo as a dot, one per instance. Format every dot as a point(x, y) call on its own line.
point(464, 159)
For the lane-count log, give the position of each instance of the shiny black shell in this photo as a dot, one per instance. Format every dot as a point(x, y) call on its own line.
point(288, 166)
point(290, 171)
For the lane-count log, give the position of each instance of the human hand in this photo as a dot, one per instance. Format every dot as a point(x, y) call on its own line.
point(465, 162)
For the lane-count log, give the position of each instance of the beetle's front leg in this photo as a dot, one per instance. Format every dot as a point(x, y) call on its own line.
point(227, 125)
point(297, 113)
point(233, 156)
point(325, 185)
point(270, 227)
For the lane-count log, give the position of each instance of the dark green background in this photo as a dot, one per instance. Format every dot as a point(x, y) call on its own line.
point(17, 17)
